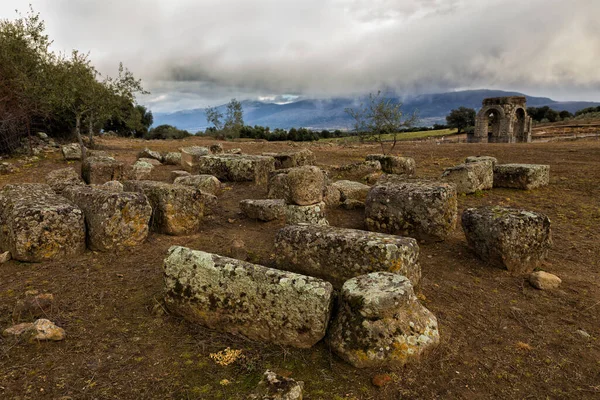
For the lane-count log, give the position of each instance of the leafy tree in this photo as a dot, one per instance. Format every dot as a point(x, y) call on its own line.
point(214, 116)
point(565, 115)
point(380, 117)
point(166, 132)
point(461, 118)
point(234, 118)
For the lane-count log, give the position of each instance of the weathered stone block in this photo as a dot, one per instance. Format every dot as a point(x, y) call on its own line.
point(246, 299)
point(302, 185)
point(141, 171)
point(114, 220)
point(521, 176)
point(470, 177)
point(395, 164)
point(71, 152)
point(380, 323)
point(191, 155)
point(513, 239)
point(98, 170)
point(236, 168)
point(37, 225)
point(350, 190)
point(206, 183)
point(474, 159)
point(147, 153)
point(338, 254)
point(313, 214)
point(176, 209)
point(293, 159)
point(60, 179)
point(264, 210)
point(420, 209)
point(332, 196)
point(151, 161)
point(172, 158)
point(178, 174)
point(216, 148)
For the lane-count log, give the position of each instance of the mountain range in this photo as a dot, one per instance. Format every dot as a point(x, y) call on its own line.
point(330, 113)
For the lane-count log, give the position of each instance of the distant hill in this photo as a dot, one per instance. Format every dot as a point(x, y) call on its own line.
point(330, 114)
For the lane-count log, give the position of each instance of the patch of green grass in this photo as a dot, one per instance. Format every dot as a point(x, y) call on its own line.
point(400, 137)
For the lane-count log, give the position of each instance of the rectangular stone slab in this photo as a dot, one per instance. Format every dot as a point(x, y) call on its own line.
point(420, 209)
point(470, 177)
point(37, 225)
point(101, 169)
point(521, 176)
point(338, 254)
point(246, 299)
point(235, 168)
point(115, 220)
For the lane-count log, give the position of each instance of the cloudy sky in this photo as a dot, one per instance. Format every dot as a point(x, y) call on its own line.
point(194, 53)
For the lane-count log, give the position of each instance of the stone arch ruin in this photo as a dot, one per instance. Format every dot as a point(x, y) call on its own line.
point(502, 120)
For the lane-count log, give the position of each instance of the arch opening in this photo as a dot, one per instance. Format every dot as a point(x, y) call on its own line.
point(519, 125)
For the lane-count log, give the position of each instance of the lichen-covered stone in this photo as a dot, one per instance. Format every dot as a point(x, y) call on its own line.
point(521, 176)
point(235, 168)
point(40, 330)
point(147, 153)
point(176, 209)
point(332, 196)
point(37, 225)
point(71, 152)
point(338, 254)
point(114, 220)
point(59, 179)
point(236, 150)
point(97, 153)
point(350, 190)
point(359, 169)
point(172, 158)
point(264, 210)
point(141, 171)
point(113, 186)
point(471, 177)
point(277, 387)
point(191, 155)
point(395, 164)
point(216, 148)
point(237, 297)
point(313, 214)
point(206, 183)
point(151, 161)
point(301, 185)
point(293, 159)
point(98, 170)
point(475, 159)
point(380, 323)
point(178, 174)
point(421, 209)
point(506, 237)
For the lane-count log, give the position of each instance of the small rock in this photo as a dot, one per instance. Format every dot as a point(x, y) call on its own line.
point(544, 281)
point(381, 380)
point(5, 257)
point(583, 334)
point(234, 151)
point(277, 387)
point(40, 330)
point(238, 250)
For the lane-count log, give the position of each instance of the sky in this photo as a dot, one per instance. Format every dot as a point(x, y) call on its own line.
point(196, 53)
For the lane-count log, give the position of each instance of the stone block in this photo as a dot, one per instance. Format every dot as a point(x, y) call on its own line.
point(293, 159)
point(470, 177)
point(141, 171)
point(474, 159)
point(521, 176)
point(176, 209)
point(517, 240)
point(381, 324)
point(313, 214)
point(301, 186)
point(206, 183)
point(191, 155)
point(147, 153)
point(264, 210)
point(350, 190)
point(246, 299)
point(338, 254)
point(172, 158)
point(216, 148)
point(59, 179)
point(38, 225)
point(421, 209)
point(236, 168)
point(114, 220)
point(71, 152)
point(151, 161)
point(395, 164)
point(98, 170)
point(178, 174)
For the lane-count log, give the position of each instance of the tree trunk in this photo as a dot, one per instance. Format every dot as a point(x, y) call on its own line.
point(29, 136)
point(91, 130)
point(79, 138)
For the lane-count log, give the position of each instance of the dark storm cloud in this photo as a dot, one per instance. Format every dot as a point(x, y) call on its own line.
point(194, 53)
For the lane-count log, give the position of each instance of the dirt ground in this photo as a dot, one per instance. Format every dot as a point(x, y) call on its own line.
point(501, 338)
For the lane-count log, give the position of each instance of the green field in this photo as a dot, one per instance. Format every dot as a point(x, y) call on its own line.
point(400, 137)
